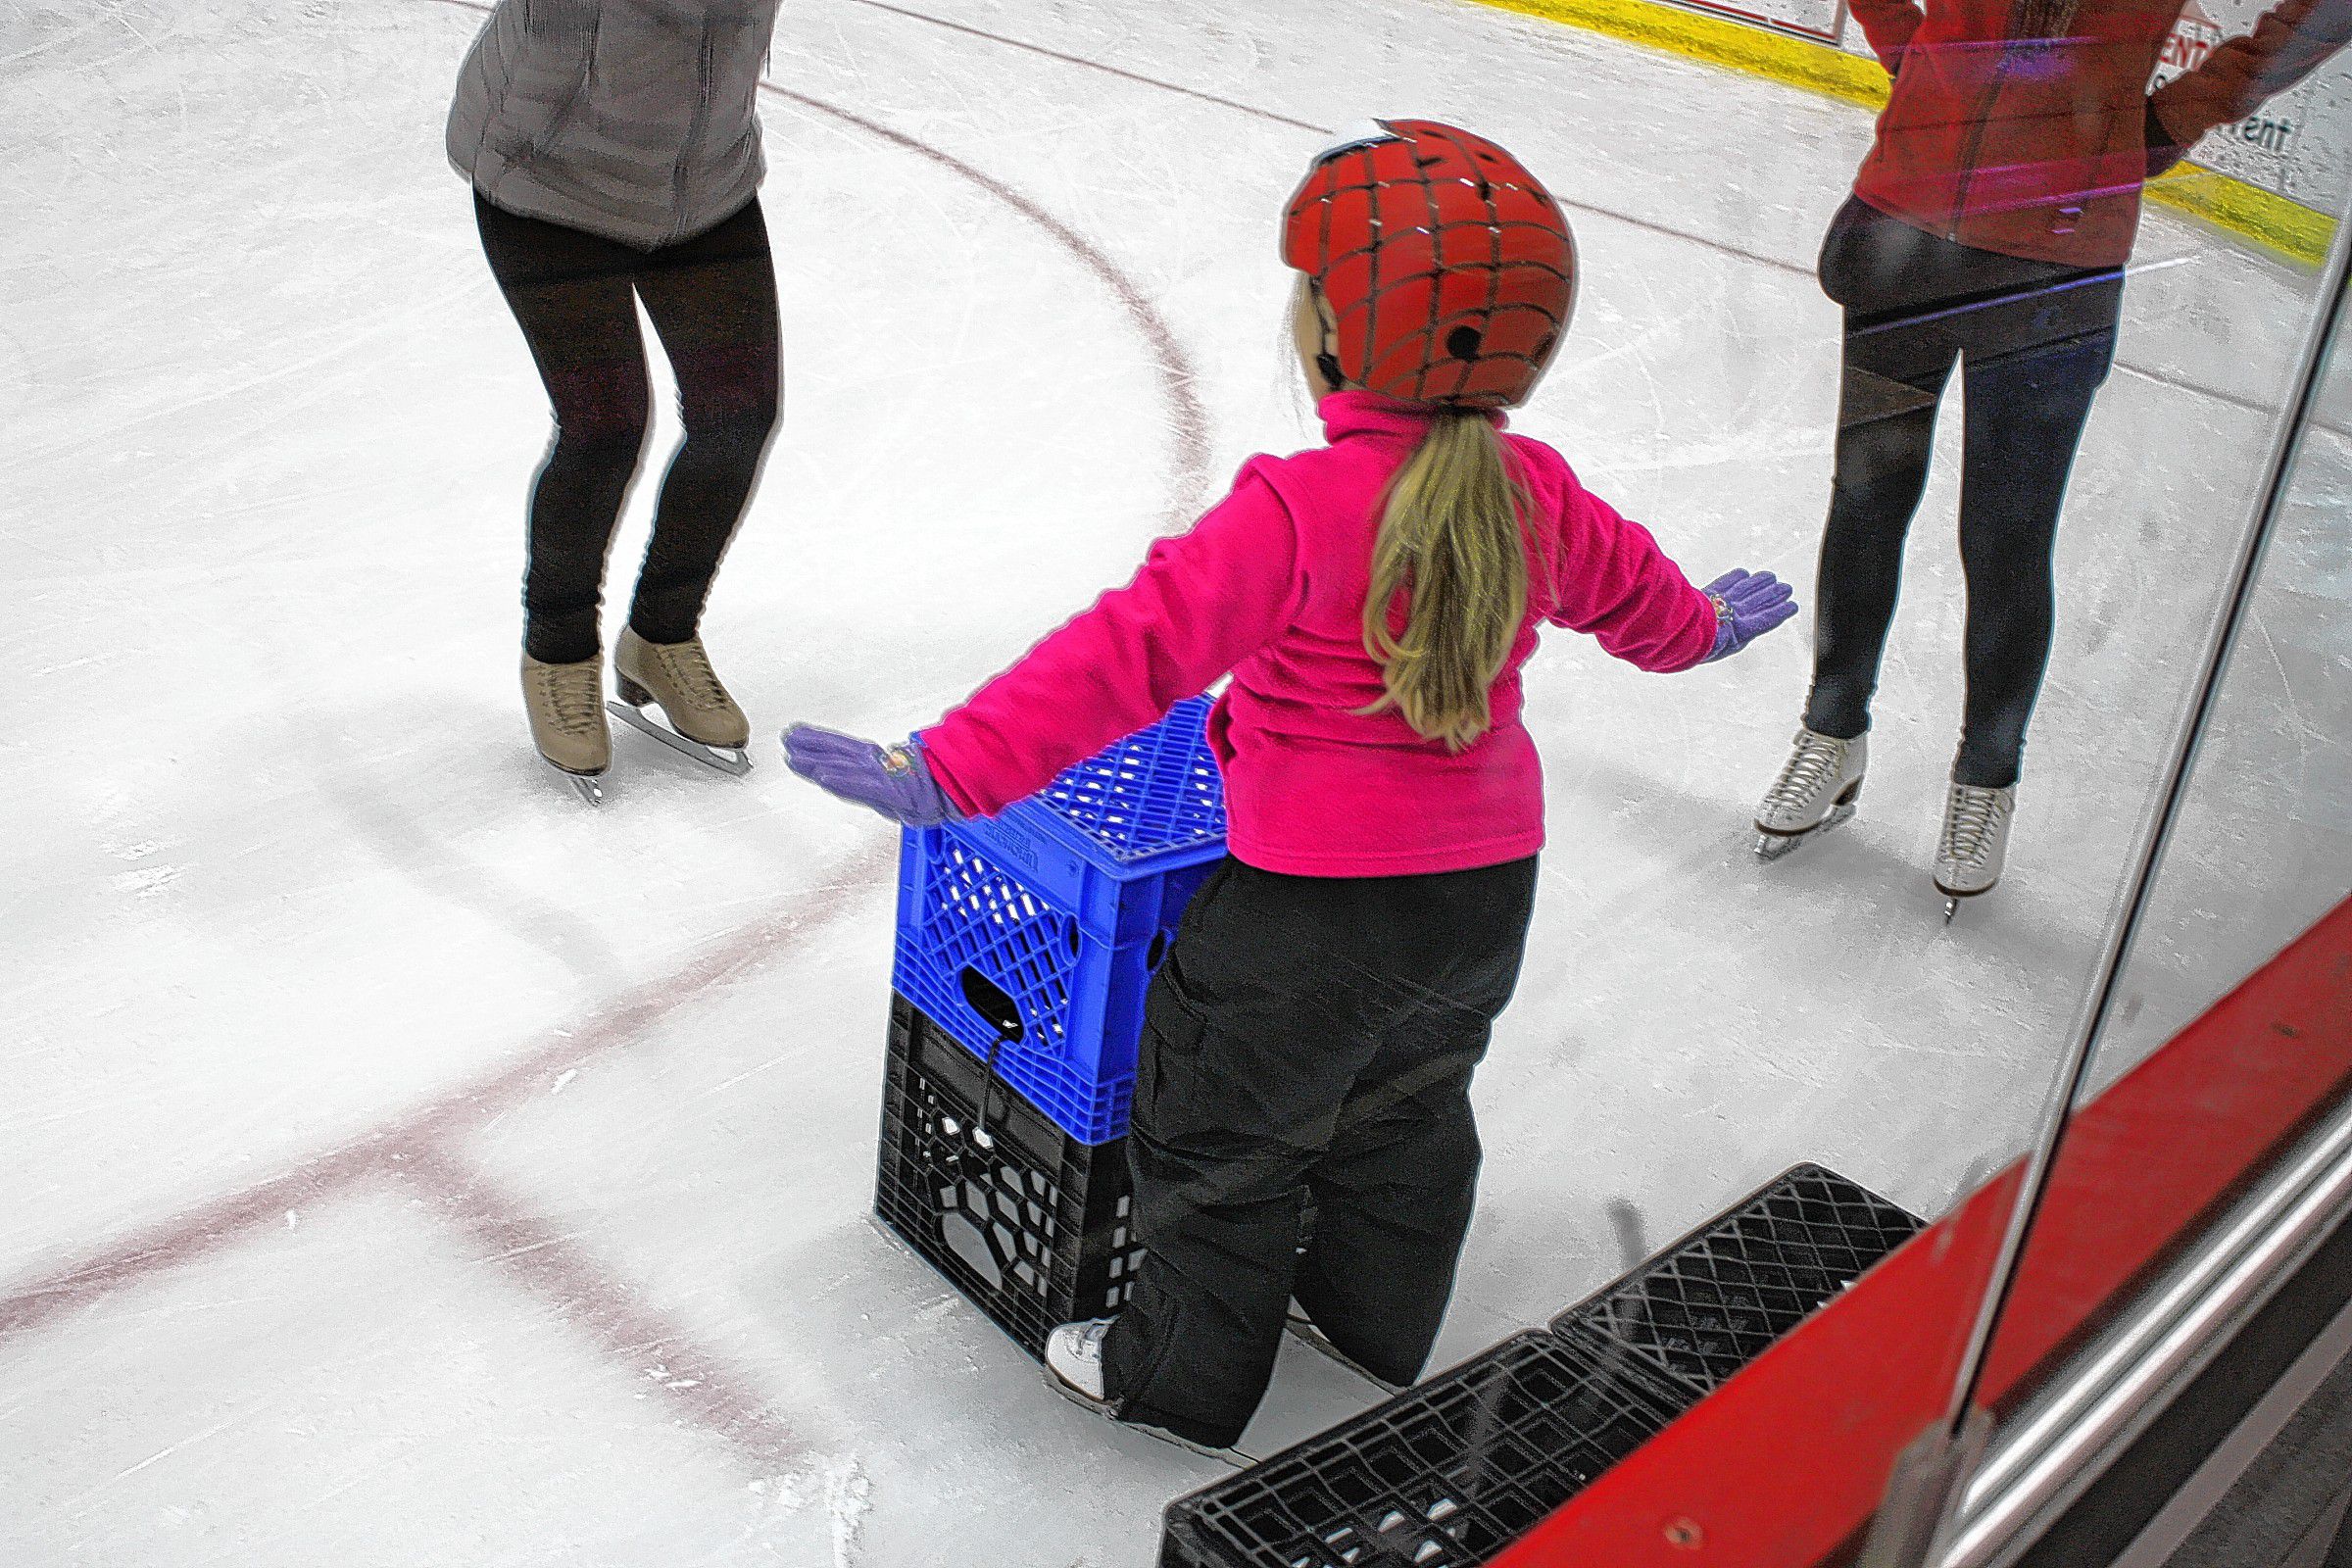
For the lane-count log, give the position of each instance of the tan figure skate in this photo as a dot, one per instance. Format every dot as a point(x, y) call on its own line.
point(705, 723)
point(567, 723)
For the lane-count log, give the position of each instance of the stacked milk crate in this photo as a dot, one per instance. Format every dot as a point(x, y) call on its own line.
point(1025, 945)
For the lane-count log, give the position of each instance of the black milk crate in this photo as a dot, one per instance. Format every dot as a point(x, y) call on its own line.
point(1718, 1299)
point(1026, 1219)
point(1445, 1475)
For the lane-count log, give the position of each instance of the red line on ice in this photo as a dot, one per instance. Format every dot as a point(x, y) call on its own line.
point(209, 1226)
point(709, 1391)
point(713, 1395)
point(1177, 375)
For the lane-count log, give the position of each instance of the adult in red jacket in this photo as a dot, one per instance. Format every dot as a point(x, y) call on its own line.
point(1990, 226)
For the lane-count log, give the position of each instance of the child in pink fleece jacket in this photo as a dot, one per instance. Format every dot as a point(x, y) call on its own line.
point(1309, 1041)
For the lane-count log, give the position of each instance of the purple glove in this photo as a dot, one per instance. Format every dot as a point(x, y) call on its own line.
point(894, 780)
point(1748, 604)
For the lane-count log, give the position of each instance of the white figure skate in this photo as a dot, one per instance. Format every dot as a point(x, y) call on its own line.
point(1974, 844)
point(1074, 1370)
point(1816, 791)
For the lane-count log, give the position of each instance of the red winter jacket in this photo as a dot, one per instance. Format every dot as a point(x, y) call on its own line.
point(2038, 147)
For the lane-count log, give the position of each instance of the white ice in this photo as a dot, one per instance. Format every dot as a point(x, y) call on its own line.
point(562, 1122)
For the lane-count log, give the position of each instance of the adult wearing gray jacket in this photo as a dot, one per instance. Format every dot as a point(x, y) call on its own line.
point(614, 149)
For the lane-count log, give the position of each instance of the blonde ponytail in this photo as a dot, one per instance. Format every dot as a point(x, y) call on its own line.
point(1449, 539)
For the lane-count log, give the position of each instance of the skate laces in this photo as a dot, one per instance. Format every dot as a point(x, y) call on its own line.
point(1970, 819)
point(574, 694)
point(689, 670)
point(1811, 767)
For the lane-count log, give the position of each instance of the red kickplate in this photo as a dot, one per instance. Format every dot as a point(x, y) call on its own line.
point(2151, 1163)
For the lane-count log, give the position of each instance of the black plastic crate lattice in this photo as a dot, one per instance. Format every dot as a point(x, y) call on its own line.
point(1445, 1475)
point(1024, 1219)
point(1717, 1299)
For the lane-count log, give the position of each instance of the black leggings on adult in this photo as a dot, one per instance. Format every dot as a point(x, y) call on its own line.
point(2036, 339)
point(1308, 1045)
point(713, 300)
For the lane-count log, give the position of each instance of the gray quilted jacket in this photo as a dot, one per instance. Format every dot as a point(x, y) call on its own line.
point(629, 119)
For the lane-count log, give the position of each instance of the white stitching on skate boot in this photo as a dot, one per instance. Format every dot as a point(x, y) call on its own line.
point(1816, 790)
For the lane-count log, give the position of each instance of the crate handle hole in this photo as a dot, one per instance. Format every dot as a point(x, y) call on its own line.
point(991, 1002)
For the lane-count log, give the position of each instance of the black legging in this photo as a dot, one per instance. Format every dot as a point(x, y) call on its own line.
point(2037, 339)
point(712, 299)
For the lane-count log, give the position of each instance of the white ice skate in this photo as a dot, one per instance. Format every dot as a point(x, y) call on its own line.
point(1074, 1370)
point(1302, 1328)
point(1975, 844)
point(1074, 1360)
point(1816, 791)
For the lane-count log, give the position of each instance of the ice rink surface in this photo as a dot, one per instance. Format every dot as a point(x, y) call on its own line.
point(409, 1166)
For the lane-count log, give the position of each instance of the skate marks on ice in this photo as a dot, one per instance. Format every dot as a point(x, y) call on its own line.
point(400, 841)
point(892, 1338)
point(205, 1228)
point(849, 1499)
point(363, 1387)
point(709, 1391)
point(1257, 112)
point(1096, 66)
point(733, 1399)
point(1843, 1024)
point(1188, 415)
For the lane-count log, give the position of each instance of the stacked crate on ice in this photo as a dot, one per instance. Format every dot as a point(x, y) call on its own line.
point(1025, 945)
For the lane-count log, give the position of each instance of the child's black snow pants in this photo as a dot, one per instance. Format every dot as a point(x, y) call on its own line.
point(1308, 1041)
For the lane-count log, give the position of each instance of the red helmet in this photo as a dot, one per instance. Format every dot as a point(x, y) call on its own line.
point(1448, 267)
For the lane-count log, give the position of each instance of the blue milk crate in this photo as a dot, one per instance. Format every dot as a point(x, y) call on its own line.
point(1062, 906)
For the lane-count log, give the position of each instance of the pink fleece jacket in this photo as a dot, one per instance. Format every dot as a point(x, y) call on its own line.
point(1270, 586)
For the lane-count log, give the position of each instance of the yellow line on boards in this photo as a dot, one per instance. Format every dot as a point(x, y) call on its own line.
point(2277, 224)
point(2274, 222)
point(1719, 41)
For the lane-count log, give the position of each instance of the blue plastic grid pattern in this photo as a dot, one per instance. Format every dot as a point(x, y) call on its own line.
point(1156, 792)
point(1065, 903)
